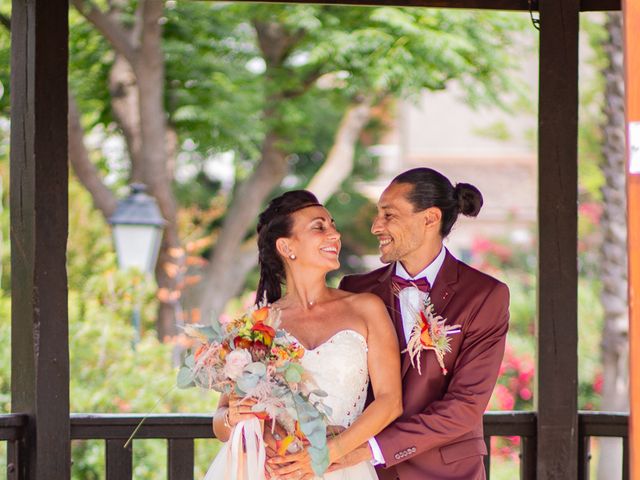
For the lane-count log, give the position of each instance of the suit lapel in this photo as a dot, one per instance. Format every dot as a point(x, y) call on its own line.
point(442, 292)
point(443, 288)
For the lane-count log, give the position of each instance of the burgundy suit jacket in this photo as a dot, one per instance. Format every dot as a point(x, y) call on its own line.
point(439, 435)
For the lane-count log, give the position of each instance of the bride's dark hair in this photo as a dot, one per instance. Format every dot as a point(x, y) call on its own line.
point(275, 222)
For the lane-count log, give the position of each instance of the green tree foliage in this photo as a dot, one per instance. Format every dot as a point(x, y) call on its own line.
point(237, 75)
point(339, 53)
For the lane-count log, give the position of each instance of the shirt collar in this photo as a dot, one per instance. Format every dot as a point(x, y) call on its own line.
point(430, 272)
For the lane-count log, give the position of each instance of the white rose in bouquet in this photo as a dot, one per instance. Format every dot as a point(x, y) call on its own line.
point(235, 363)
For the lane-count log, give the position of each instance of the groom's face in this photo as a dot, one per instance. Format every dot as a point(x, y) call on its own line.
point(400, 230)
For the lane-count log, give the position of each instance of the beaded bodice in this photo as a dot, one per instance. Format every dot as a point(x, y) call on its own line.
point(339, 368)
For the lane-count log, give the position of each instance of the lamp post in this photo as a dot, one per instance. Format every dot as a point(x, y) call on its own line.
point(137, 232)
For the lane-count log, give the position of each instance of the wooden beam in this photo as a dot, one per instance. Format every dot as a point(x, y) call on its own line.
point(599, 5)
point(119, 460)
point(557, 332)
point(38, 204)
point(514, 5)
point(180, 459)
point(631, 24)
point(517, 5)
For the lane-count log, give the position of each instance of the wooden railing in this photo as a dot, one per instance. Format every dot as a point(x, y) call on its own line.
point(180, 431)
point(602, 424)
point(11, 431)
point(513, 424)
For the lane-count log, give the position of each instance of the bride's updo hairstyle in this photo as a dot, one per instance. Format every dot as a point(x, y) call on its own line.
point(273, 223)
point(432, 189)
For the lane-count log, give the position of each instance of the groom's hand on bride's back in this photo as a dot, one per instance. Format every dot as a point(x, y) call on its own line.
point(334, 430)
point(359, 455)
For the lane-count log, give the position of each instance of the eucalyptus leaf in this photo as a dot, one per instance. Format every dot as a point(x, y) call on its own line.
point(185, 378)
point(292, 375)
point(317, 437)
point(319, 459)
point(189, 361)
point(256, 368)
point(247, 382)
point(212, 331)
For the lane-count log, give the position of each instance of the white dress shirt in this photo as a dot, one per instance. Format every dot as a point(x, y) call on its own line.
point(409, 302)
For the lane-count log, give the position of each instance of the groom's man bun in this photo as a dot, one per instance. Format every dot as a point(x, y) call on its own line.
point(432, 189)
point(469, 199)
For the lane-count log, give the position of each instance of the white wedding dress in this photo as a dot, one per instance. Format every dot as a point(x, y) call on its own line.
point(339, 367)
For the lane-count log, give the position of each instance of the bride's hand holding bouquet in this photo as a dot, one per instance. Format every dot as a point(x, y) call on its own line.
point(257, 369)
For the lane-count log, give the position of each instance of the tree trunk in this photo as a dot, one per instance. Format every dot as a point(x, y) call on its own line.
point(149, 70)
point(137, 80)
point(227, 270)
point(123, 90)
point(103, 198)
point(232, 262)
point(615, 347)
point(339, 162)
point(244, 209)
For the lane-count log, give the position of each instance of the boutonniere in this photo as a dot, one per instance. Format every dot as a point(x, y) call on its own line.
point(429, 332)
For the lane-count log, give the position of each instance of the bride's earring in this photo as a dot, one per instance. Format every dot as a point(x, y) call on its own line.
point(292, 256)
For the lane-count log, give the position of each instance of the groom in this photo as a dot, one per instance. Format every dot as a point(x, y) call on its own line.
point(439, 435)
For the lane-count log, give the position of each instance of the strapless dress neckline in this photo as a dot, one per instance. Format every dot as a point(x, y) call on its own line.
point(331, 339)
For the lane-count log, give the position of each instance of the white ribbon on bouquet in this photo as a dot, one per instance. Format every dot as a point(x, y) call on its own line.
point(246, 451)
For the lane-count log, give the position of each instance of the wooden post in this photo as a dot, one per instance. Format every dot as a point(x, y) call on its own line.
point(39, 227)
point(631, 24)
point(557, 333)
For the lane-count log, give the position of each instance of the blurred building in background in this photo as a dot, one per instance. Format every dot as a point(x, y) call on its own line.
point(487, 147)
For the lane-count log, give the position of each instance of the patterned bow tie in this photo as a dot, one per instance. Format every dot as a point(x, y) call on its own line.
point(421, 284)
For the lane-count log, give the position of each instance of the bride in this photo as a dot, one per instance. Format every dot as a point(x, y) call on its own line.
point(348, 338)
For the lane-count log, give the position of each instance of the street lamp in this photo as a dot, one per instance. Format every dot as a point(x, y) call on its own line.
point(137, 232)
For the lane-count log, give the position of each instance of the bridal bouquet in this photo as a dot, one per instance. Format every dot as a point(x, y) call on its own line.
point(251, 358)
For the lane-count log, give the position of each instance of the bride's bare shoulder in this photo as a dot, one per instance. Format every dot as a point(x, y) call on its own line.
point(363, 303)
